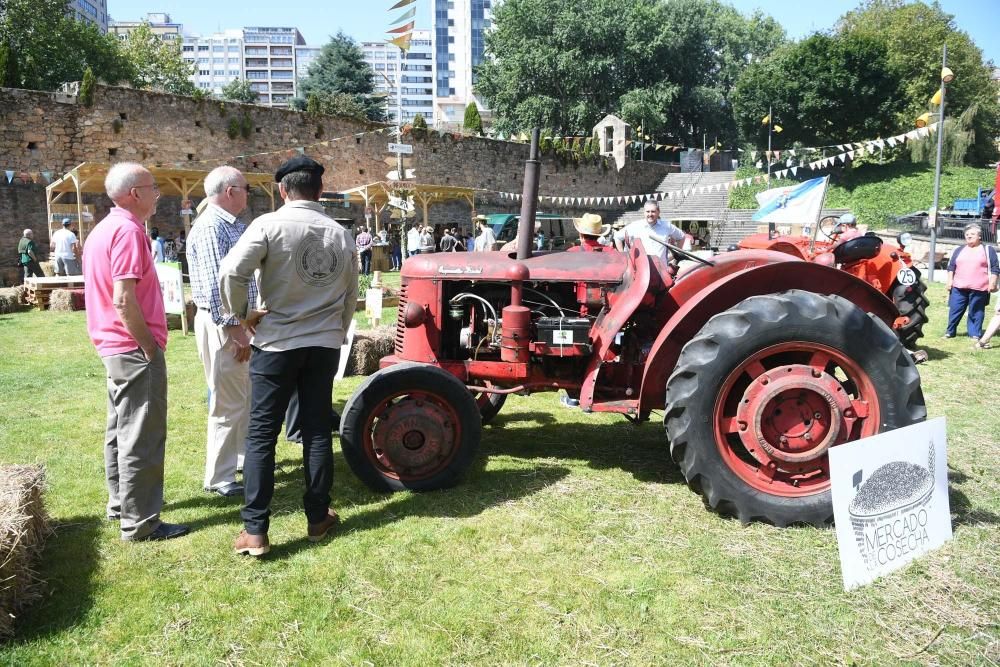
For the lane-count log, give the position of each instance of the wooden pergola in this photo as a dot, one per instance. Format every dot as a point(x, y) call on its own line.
point(375, 196)
point(89, 178)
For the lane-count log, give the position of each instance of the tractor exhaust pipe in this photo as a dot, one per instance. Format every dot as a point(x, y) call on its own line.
point(529, 197)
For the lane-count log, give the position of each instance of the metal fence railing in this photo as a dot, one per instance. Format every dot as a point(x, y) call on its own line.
point(949, 227)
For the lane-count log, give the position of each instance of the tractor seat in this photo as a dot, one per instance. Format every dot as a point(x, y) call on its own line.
point(862, 247)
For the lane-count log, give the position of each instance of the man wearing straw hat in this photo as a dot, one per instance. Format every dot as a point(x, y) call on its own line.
point(591, 232)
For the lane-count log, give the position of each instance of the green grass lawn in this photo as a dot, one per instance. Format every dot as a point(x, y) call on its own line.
point(574, 540)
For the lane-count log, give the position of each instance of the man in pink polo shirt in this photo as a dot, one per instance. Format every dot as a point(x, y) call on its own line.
point(126, 322)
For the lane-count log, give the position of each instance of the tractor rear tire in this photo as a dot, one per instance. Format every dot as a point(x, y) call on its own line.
point(912, 302)
point(766, 387)
point(410, 426)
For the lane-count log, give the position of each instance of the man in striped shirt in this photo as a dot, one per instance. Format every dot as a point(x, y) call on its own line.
point(223, 343)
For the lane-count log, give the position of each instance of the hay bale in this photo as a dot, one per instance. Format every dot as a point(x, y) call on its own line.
point(23, 529)
point(66, 299)
point(369, 347)
point(48, 268)
point(12, 299)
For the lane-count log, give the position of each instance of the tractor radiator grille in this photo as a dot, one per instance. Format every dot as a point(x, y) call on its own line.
point(399, 319)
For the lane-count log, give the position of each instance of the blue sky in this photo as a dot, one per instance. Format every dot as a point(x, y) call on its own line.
point(367, 21)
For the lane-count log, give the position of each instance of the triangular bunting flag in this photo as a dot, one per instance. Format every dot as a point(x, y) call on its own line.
point(891, 141)
point(10, 175)
point(48, 176)
point(795, 171)
point(403, 28)
point(791, 152)
point(401, 3)
point(402, 42)
point(405, 16)
point(850, 154)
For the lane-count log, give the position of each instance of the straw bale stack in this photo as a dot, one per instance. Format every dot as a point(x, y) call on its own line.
point(369, 347)
point(23, 529)
point(12, 299)
point(66, 299)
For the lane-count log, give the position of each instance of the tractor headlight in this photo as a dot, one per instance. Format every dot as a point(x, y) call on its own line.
point(904, 239)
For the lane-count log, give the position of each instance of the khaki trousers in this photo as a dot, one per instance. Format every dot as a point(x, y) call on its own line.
point(228, 405)
point(135, 440)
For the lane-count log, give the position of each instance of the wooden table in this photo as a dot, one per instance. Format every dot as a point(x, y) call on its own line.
point(39, 289)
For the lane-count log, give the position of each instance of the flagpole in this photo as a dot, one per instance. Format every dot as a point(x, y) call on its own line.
point(819, 216)
point(770, 124)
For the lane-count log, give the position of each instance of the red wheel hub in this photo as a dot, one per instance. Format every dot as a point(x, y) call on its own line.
point(412, 436)
point(782, 409)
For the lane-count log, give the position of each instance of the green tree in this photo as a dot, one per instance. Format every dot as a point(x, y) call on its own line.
point(823, 90)
point(157, 64)
point(668, 66)
point(239, 91)
point(46, 47)
point(86, 95)
point(472, 122)
point(341, 70)
point(335, 104)
point(913, 34)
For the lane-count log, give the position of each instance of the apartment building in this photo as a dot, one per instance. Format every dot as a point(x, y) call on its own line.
point(416, 66)
point(460, 28)
point(216, 59)
point(160, 24)
point(92, 11)
point(269, 62)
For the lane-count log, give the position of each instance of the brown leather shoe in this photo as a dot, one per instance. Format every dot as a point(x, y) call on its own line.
point(317, 531)
point(251, 545)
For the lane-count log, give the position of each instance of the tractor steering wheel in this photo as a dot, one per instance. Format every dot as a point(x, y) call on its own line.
point(828, 226)
point(680, 253)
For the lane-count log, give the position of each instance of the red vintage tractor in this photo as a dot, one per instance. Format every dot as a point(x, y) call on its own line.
point(886, 267)
point(760, 361)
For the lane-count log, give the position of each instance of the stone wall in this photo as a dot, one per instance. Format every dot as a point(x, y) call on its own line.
point(47, 133)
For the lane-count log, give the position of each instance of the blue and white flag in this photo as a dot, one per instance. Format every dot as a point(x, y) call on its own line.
point(794, 203)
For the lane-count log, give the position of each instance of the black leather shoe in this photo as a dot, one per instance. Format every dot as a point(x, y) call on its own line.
point(228, 490)
point(165, 531)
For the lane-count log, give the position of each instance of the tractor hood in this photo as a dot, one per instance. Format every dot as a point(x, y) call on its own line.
point(599, 267)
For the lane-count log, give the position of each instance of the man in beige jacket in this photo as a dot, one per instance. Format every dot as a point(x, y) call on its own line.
point(308, 287)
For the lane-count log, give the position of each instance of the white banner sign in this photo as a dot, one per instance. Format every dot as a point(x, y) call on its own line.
point(890, 499)
point(404, 149)
point(373, 303)
point(172, 286)
point(400, 203)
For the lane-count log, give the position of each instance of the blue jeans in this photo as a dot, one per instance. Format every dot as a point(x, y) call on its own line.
point(274, 376)
point(975, 301)
point(366, 261)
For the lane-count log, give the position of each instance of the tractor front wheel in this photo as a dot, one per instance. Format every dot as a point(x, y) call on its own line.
point(766, 388)
point(489, 405)
point(410, 426)
point(912, 302)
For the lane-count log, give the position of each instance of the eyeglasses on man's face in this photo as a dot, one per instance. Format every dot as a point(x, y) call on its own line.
point(155, 187)
point(245, 187)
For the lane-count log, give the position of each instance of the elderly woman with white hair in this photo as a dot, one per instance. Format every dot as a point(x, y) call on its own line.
point(972, 274)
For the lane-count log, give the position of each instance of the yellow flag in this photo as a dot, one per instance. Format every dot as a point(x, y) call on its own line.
point(765, 120)
point(402, 42)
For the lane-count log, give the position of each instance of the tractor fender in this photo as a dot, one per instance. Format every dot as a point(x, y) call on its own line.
point(714, 295)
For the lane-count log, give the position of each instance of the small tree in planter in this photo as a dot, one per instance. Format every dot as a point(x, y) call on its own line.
point(473, 122)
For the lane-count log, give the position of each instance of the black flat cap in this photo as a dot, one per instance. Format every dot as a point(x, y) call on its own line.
point(298, 163)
